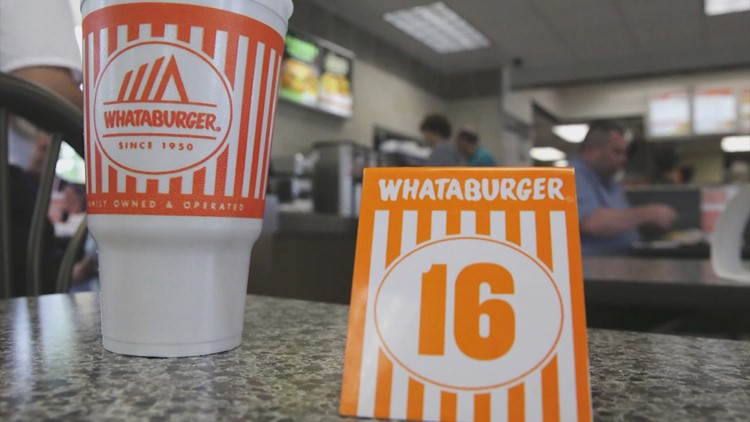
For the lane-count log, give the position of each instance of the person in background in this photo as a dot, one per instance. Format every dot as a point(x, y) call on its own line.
point(436, 132)
point(608, 223)
point(41, 48)
point(467, 143)
point(38, 44)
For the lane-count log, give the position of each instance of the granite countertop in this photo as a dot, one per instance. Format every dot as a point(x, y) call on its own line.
point(52, 366)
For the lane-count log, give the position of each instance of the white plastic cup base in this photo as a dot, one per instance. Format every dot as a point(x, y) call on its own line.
point(172, 350)
point(173, 286)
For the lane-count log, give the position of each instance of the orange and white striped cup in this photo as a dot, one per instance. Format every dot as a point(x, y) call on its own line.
point(179, 113)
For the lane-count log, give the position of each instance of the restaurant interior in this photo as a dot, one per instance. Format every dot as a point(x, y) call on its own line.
point(529, 77)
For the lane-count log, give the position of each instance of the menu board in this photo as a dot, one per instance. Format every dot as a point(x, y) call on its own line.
point(669, 114)
point(317, 74)
point(744, 108)
point(714, 111)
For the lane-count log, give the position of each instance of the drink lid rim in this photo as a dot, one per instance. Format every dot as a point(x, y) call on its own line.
point(283, 8)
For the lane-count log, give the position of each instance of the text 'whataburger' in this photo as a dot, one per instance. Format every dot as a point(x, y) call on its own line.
point(472, 189)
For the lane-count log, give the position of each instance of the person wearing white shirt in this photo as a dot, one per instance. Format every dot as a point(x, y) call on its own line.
point(38, 44)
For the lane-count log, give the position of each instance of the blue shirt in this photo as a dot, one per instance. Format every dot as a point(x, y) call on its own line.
point(481, 158)
point(593, 194)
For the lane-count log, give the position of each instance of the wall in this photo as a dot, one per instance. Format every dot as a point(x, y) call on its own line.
point(483, 114)
point(630, 98)
point(380, 98)
point(390, 88)
point(520, 104)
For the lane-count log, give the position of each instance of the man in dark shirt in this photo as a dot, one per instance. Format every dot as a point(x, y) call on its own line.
point(436, 130)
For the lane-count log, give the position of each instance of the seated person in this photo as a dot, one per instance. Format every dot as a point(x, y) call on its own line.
point(608, 223)
point(467, 142)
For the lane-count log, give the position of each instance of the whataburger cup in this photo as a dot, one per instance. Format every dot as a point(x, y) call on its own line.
point(179, 102)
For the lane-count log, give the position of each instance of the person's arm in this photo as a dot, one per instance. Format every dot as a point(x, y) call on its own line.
point(38, 44)
point(56, 79)
point(605, 222)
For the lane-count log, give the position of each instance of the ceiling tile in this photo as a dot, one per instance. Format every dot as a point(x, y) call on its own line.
point(613, 37)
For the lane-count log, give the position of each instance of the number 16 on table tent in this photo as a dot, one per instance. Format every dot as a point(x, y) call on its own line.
point(467, 307)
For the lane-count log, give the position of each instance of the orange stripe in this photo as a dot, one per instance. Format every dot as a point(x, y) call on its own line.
point(483, 223)
point(513, 226)
point(578, 309)
point(133, 32)
point(97, 52)
point(424, 226)
point(395, 224)
point(175, 185)
point(98, 171)
point(183, 33)
point(448, 406)
point(357, 315)
point(231, 61)
point(124, 86)
point(130, 184)
point(137, 83)
point(199, 181)
point(255, 140)
point(453, 222)
point(415, 400)
point(550, 392)
point(516, 403)
point(209, 42)
point(482, 408)
point(86, 71)
point(269, 123)
point(544, 238)
point(112, 179)
point(157, 30)
point(244, 136)
point(383, 387)
point(152, 186)
point(151, 79)
point(221, 172)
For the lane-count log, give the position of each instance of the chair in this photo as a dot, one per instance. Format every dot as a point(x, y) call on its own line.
point(64, 121)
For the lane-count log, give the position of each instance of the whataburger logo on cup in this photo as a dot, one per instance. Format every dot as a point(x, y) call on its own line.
point(180, 106)
point(136, 127)
point(467, 299)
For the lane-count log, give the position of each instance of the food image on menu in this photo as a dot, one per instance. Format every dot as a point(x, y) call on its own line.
point(317, 74)
point(299, 71)
point(335, 85)
point(299, 82)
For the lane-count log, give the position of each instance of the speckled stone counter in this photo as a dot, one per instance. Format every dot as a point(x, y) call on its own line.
point(52, 366)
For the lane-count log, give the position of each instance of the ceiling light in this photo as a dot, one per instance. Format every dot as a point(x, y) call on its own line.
point(736, 143)
point(561, 163)
point(546, 154)
point(722, 7)
point(571, 133)
point(438, 27)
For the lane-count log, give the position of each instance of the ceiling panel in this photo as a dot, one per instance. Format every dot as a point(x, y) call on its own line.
point(618, 38)
point(728, 28)
point(669, 13)
point(610, 45)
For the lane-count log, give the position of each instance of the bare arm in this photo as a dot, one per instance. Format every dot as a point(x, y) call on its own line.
point(606, 222)
point(55, 79)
